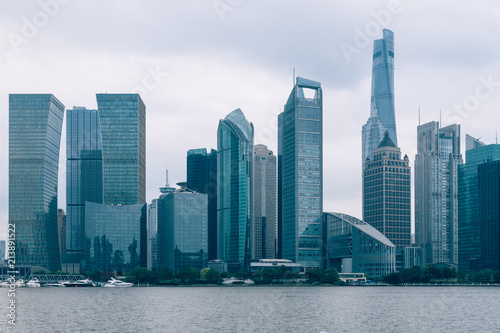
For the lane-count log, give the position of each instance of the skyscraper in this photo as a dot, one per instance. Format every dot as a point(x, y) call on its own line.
point(372, 134)
point(436, 192)
point(469, 214)
point(300, 174)
point(35, 123)
point(61, 226)
point(264, 204)
point(234, 190)
point(186, 222)
point(202, 178)
point(386, 195)
point(84, 180)
point(123, 128)
point(489, 207)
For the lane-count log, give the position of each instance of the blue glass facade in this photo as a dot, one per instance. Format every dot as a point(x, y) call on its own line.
point(83, 176)
point(116, 237)
point(186, 226)
point(353, 246)
point(300, 175)
point(383, 82)
point(123, 128)
point(469, 214)
point(35, 123)
point(489, 207)
point(202, 178)
point(234, 190)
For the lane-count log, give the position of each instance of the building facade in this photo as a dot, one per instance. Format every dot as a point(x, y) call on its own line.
point(234, 190)
point(264, 204)
point(387, 195)
point(35, 124)
point(382, 97)
point(436, 192)
point(469, 214)
point(84, 179)
point(489, 208)
point(61, 227)
point(202, 178)
point(116, 237)
point(354, 246)
point(300, 174)
point(152, 234)
point(186, 226)
point(122, 119)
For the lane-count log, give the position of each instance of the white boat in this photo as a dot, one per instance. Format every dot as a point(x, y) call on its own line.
point(117, 283)
point(80, 283)
point(33, 283)
point(5, 284)
point(54, 284)
point(20, 283)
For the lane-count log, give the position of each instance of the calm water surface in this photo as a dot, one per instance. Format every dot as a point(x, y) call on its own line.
point(255, 309)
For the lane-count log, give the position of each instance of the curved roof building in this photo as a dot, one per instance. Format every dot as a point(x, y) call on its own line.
point(354, 246)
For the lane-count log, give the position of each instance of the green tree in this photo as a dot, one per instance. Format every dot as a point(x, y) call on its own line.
point(330, 276)
point(224, 275)
point(484, 276)
point(392, 278)
point(315, 275)
point(210, 275)
point(242, 274)
point(187, 274)
point(496, 277)
point(138, 275)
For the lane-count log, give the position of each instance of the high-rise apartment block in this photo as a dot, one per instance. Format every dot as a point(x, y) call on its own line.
point(387, 195)
point(300, 174)
point(234, 190)
point(264, 204)
point(436, 192)
point(35, 123)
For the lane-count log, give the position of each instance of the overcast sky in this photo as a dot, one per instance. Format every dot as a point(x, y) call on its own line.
point(194, 61)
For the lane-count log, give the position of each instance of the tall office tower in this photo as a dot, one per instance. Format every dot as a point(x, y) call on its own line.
point(161, 227)
point(386, 196)
point(152, 234)
point(383, 82)
point(123, 128)
point(116, 237)
point(61, 227)
point(186, 222)
point(35, 122)
point(300, 174)
point(202, 178)
point(234, 190)
point(436, 187)
point(264, 203)
point(83, 179)
point(372, 134)
point(489, 208)
point(469, 214)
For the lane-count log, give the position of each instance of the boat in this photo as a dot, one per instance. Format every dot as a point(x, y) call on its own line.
point(54, 284)
point(5, 284)
point(118, 283)
point(20, 283)
point(80, 283)
point(33, 283)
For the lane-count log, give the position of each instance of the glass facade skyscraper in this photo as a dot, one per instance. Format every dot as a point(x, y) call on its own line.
point(264, 204)
point(123, 129)
point(35, 124)
point(387, 196)
point(116, 237)
point(436, 192)
point(469, 214)
point(489, 207)
point(186, 227)
point(300, 174)
point(202, 178)
point(83, 176)
point(234, 190)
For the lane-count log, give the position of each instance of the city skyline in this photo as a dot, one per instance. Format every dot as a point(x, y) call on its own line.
point(223, 74)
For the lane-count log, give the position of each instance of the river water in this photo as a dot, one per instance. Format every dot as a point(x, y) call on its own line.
point(254, 309)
